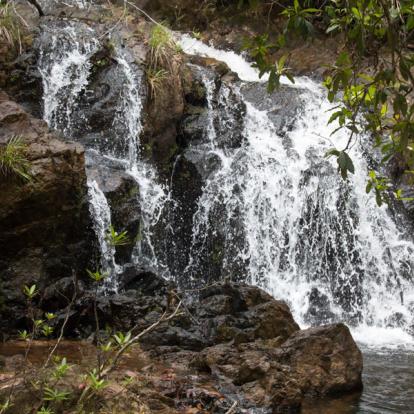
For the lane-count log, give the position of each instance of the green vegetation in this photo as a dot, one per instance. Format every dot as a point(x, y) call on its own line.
point(162, 47)
point(156, 80)
point(13, 160)
point(56, 387)
point(10, 26)
point(117, 239)
point(374, 100)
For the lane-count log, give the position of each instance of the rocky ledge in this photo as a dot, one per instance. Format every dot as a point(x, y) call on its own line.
point(237, 341)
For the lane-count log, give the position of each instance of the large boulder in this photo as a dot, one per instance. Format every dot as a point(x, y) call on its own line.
point(325, 360)
point(280, 374)
point(44, 222)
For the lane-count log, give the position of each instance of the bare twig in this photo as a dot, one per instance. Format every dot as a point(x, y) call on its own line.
point(232, 409)
point(65, 321)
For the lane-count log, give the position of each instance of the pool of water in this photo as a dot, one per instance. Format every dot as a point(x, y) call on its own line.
point(388, 379)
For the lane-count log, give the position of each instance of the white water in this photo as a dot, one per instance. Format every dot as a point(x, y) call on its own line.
point(153, 195)
point(304, 227)
point(81, 4)
point(65, 68)
point(101, 214)
point(284, 211)
point(64, 64)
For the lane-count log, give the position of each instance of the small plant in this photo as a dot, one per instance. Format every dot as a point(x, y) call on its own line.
point(117, 239)
point(156, 79)
point(96, 383)
point(5, 406)
point(55, 395)
point(121, 338)
point(61, 369)
point(24, 335)
point(44, 410)
point(97, 276)
point(13, 160)
point(30, 292)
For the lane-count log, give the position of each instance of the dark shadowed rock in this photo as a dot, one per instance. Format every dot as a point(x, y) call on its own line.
point(319, 311)
point(122, 192)
point(44, 223)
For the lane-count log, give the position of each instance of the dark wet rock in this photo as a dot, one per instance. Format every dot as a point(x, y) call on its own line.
point(225, 114)
point(145, 283)
point(173, 242)
point(319, 311)
point(282, 106)
point(122, 192)
point(228, 316)
point(59, 294)
point(45, 232)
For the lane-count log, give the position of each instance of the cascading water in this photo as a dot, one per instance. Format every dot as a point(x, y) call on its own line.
point(65, 65)
point(152, 195)
point(101, 213)
point(271, 205)
point(310, 238)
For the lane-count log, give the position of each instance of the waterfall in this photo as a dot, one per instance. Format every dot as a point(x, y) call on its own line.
point(307, 236)
point(153, 195)
point(272, 210)
point(65, 65)
point(101, 214)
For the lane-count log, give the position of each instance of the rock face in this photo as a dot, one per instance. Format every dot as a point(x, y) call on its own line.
point(44, 223)
point(240, 339)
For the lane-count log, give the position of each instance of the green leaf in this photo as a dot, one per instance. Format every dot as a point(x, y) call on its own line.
point(345, 164)
point(356, 12)
point(332, 152)
point(410, 23)
point(378, 198)
point(334, 116)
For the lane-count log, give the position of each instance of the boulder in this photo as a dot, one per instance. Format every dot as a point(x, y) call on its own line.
point(326, 360)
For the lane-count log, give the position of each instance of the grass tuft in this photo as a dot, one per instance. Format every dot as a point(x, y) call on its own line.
point(10, 27)
point(13, 160)
point(162, 47)
point(156, 80)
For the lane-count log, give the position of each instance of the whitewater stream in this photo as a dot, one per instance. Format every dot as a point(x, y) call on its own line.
point(278, 208)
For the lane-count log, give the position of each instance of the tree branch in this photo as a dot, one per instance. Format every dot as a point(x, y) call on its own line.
point(37, 5)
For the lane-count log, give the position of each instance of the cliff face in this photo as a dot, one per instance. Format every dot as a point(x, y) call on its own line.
point(44, 222)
